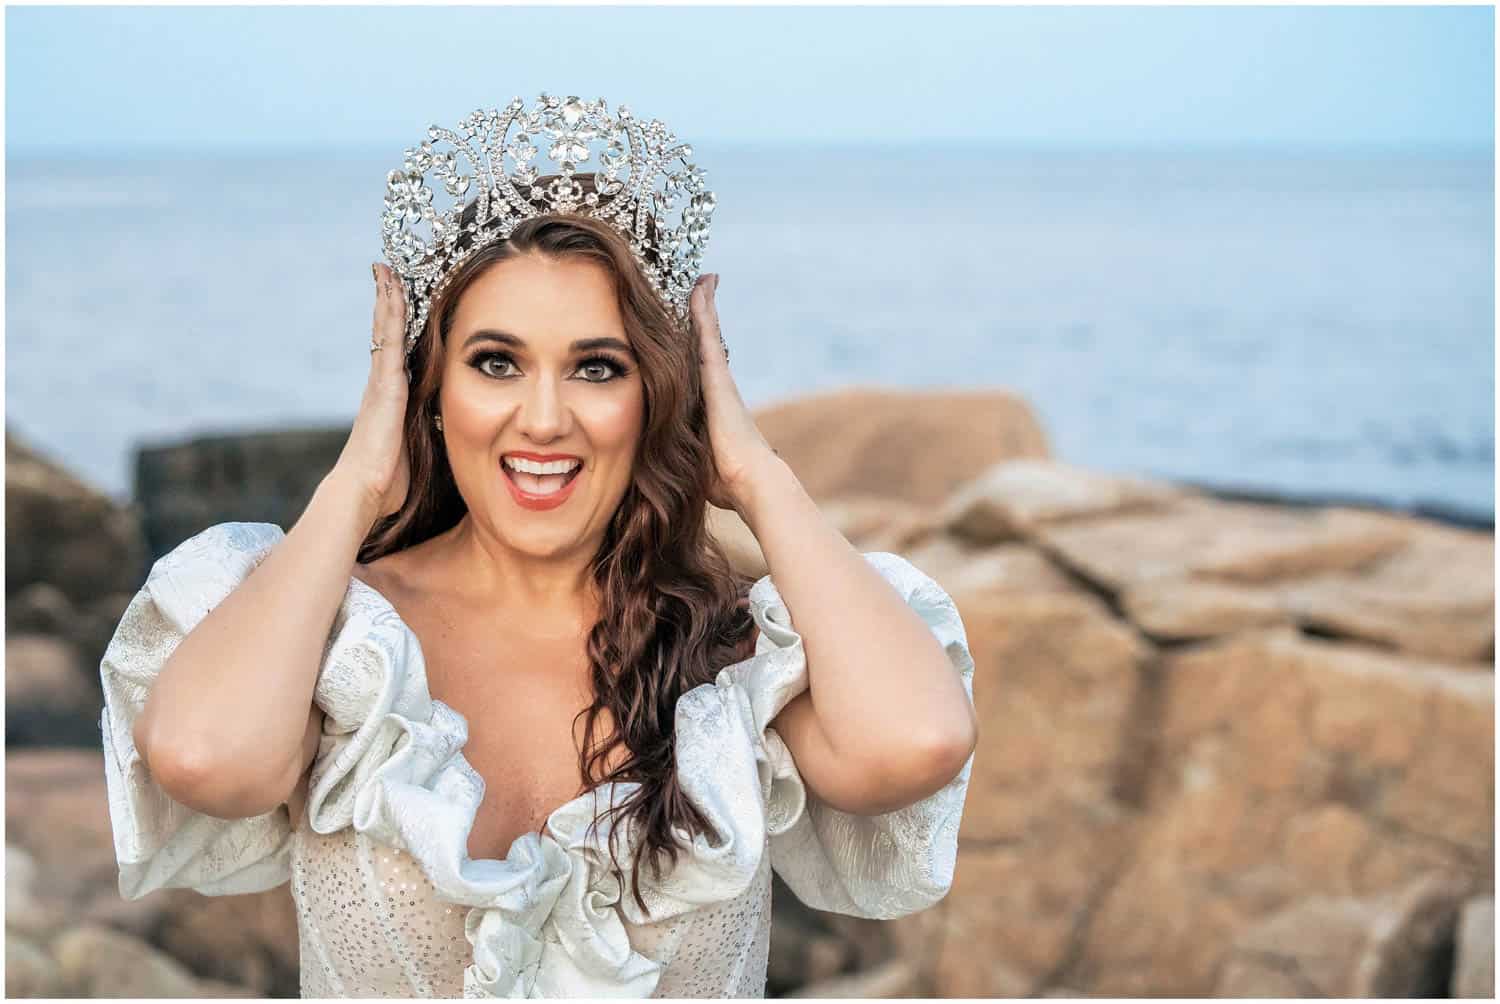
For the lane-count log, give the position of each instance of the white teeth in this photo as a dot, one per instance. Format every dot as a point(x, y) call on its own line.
point(539, 484)
point(532, 467)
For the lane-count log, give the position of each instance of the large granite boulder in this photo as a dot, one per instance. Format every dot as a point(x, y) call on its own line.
point(1391, 945)
point(901, 445)
point(1286, 767)
point(61, 531)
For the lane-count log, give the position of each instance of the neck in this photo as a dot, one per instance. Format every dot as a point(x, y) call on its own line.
point(547, 592)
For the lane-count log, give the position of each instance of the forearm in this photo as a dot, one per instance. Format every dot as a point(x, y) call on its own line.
point(232, 701)
point(880, 683)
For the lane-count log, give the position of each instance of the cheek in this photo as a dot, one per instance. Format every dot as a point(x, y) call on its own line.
point(616, 424)
point(474, 415)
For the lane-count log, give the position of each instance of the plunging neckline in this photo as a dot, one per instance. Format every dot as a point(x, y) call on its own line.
point(538, 833)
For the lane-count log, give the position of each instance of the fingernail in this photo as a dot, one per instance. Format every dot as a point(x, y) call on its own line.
point(376, 273)
point(715, 288)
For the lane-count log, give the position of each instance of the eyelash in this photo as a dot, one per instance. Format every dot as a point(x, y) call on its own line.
point(617, 368)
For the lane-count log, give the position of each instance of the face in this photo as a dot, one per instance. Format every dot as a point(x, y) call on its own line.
point(538, 361)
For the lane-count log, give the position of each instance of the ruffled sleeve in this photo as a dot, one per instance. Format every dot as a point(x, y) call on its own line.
point(881, 866)
point(161, 843)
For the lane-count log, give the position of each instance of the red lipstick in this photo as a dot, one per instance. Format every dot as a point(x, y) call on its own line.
point(532, 500)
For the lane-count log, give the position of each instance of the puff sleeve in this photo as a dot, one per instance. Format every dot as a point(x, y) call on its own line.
point(161, 843)
point(881, 866)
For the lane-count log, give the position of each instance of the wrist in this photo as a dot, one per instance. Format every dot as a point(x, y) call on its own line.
point(351, 495)
point(767, 478)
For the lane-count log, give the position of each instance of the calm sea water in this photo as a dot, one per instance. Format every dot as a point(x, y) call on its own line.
point(1288, 323)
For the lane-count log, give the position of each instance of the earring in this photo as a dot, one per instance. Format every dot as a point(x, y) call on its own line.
point(437, 420)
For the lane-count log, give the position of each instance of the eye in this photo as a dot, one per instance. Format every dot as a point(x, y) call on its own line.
point(611, 367)
point(605, 368)
point(480, 359)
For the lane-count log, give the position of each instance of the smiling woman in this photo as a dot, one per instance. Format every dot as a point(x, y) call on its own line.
point(516, 539)
point(553, 343)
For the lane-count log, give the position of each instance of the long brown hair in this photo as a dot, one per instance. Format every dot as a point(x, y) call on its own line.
point(673, 609)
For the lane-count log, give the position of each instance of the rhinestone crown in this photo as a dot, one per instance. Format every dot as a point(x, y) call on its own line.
point(424, 244)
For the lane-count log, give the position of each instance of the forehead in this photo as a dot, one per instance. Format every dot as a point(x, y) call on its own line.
point(542, 300)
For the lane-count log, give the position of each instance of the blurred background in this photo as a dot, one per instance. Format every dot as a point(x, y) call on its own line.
point(1169, 331)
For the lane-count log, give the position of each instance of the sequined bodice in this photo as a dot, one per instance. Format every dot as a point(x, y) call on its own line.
point(370, 924)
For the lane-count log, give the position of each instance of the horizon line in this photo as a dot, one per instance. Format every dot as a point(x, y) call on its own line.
point(148, 151)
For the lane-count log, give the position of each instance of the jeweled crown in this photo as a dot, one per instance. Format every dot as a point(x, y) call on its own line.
point(642, 175)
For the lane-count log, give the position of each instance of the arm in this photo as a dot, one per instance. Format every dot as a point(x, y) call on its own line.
point(226, 729)
point(884, 721)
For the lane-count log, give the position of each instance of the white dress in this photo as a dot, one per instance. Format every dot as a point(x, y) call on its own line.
point(389, 904)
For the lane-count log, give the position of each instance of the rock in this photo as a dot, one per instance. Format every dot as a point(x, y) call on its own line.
point(877, 524)
point(57, 810)
point(894, 978)
point(57, 816)
point(187, 486)
point(246, 940)
point(1056, 683)
point(1434, 596)
point(61, 531)
point(1024, 900)
point(97, 962)
point(50, 700)
point(29, 971)
point(1002, 568)
point(1195, 609)
point(27, 914)
point(1010, 500)
point(909, 446)
point(1388, 946)
point(219, 988)
point(20, 876)
point(869, 941)
point(1056, 687)
point(805, 944)
point(40, 608)
point(1231, 541)
point(739, 544)
point(1286, 768)
point(1474, 959)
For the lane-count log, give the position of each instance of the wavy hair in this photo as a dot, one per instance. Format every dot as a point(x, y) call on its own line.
point(673, 610)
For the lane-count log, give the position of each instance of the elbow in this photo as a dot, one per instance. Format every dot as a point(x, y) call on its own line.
point(931, 765)
point(945, 756)
point(204, 783)
point(918, 772)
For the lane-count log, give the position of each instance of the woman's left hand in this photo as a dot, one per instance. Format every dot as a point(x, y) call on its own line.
point(739, 449)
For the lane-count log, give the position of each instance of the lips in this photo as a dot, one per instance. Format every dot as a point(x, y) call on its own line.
point(528, 499)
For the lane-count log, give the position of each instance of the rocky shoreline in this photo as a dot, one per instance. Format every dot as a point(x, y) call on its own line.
point(1230, 746)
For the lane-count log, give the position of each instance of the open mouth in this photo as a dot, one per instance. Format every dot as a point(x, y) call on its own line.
point(540, 484)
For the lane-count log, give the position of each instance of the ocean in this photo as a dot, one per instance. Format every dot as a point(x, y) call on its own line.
point(1301, 324)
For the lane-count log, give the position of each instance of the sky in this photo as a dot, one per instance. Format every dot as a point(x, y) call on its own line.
point(238, 79)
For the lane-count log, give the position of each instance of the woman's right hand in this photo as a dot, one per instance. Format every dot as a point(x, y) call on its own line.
point(375, 457)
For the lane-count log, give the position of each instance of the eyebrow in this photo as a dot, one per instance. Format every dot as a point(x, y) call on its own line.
point(581, 345)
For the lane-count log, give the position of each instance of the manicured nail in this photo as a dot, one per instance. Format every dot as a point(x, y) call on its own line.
point(715, 288)
point(376, 273)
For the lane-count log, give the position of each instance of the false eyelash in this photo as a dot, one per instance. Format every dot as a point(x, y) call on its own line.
point(618, 368)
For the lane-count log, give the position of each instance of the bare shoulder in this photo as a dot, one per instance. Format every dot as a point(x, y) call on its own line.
point(393, 573)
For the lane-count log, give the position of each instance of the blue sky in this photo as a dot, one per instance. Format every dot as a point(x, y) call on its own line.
point(105, 79)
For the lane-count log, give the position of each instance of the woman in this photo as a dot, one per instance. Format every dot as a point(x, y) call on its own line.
point(381, 705)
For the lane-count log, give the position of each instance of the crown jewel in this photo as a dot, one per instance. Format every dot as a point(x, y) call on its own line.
point(487, 168)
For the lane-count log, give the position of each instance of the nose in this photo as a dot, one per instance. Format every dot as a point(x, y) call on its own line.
point(542, 415)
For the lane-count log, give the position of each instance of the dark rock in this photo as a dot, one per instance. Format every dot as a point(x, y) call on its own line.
point(61, 531)
point(269, 477)
point(50, 700)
